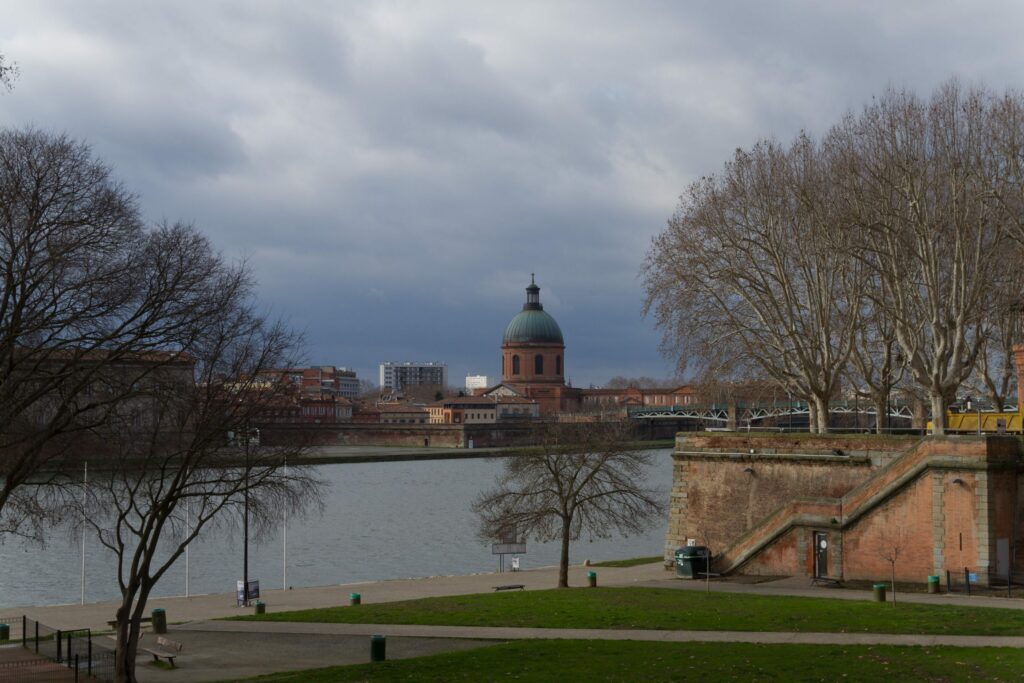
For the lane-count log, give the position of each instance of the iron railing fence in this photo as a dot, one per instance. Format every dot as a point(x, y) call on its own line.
point(988, 582)
point(73, 649)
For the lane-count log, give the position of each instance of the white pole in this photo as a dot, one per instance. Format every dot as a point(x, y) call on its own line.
point(85, 484)
point(284, 536)
point(187, 520)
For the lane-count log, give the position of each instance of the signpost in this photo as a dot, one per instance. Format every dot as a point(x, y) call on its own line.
point(503, 549)
point(240, 593)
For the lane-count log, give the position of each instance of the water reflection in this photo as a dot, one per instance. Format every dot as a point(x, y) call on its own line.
point(381, 521)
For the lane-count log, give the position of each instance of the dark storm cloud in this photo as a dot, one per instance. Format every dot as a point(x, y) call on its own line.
point(394, 171)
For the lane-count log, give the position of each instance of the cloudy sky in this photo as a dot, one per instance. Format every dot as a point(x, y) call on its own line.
point(394, 171)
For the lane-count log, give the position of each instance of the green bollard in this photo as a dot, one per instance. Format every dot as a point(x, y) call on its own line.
point(378, 647)
point(159, 620)
point(879, 589)
point(261, 607)
point(933, 584)
point(355, 599)
point(5, 632)
point(592, 579)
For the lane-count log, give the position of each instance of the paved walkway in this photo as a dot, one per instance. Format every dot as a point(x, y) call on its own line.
point(203, 607)
point(502, 633)
point(181, 609)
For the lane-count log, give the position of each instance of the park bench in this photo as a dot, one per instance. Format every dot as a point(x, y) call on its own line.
point(165, 649)
point(510, 587)
point(142, 621)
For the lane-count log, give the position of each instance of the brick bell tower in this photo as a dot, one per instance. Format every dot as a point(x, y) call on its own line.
point(533, 356)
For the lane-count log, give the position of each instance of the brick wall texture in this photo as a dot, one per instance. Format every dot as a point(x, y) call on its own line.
point(917, 507)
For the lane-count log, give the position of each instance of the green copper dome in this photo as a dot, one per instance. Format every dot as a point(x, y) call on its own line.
point(532, 325)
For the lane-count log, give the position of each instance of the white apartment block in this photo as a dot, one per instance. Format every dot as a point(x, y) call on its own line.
point(398, 376)
point(477, 382)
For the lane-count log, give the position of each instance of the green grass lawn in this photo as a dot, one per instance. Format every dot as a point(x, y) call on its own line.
point(632, 562)
point(575, 660)
point(670, 609)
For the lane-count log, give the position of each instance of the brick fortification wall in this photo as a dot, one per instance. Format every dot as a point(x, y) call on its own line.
point(944, 503)
point(715, 499)
point(446, 436)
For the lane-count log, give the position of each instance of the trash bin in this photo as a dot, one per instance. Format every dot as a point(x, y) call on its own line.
point(592, 579)
point(378, 648)
point(879, 589)
point(933, 584)
point(354, 598)
point(5, 632)
point(692, 561)
point(261, 607)
point(159, 620)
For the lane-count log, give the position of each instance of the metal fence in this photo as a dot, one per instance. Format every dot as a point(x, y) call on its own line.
point(974, 581)
point(74, 651)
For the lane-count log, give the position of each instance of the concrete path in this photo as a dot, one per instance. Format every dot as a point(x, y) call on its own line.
point(502, 633)
point(96, 615)
point(221, 655)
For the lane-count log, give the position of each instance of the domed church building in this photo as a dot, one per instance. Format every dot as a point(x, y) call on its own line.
point(533, 358)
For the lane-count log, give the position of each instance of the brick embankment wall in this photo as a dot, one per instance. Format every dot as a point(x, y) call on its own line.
point(946, 503)
point(446, 436)
point(720, 490)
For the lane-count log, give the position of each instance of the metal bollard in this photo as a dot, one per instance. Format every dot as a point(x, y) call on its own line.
point(355, 599)
point(592, 579)
point(879, 589)
point(378, 648)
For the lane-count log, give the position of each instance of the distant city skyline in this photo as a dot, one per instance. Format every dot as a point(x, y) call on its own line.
point(393, 172)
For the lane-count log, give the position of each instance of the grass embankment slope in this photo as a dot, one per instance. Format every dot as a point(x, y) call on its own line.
point(671, 609)
point(573, 660)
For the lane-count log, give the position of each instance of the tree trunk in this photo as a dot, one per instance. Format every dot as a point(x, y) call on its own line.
point(127, 643)
point(821, 413)
point(938, 414)
point(881, 414)
point(812, 416)
point(563, 562)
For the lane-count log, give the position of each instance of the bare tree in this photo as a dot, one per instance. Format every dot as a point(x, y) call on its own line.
point(170, 470)
point(8, 73)
point(916, 181)
point(876, 363)
point(891, 544)
point(85, 289)
point(754, 268)
point(584, 478)
point(995, 370)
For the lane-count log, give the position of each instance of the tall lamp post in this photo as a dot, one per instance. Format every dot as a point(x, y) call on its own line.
point(245, 523)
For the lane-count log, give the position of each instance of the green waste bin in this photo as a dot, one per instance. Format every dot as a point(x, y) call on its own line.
point(355, 599)
point(5, 632)
point(933, 584)
point(879, 589)
point(261, 607)
point(592, 579)
point(378, 648)
point(159, 620)
point(692, 561)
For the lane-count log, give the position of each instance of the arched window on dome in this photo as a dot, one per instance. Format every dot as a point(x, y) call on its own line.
point(515, 365)
point(538, 364)
point(558, 365)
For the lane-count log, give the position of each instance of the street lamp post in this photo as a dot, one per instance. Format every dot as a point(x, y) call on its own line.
point(245, 524)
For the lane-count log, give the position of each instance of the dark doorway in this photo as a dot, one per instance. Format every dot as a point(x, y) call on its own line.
point(820, 554)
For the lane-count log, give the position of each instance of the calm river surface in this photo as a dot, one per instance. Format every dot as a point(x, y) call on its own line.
point(381, 520)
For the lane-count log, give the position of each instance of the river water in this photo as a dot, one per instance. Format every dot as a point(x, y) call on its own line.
point(381, 520)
